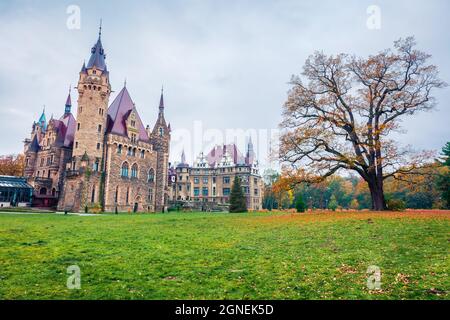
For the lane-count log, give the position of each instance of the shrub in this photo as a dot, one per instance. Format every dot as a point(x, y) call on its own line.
point(333, 204)
point(94, 208)
point(354, 204)
point(300, 204)
point(396, 204)
point(173, 208)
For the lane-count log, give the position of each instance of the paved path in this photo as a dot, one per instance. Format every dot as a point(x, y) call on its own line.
point(60, 213)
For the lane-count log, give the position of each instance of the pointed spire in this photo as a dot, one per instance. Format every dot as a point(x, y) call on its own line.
point(68, 104)
point(83, 68)
point(183, 157)
point(250, 156)
point(98, 56)
point(250, 145)
point(100, 29)
point(43, 120)
point(161, 101)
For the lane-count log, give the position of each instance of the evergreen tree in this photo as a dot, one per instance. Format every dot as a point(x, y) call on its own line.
point(443, 181)
point(300, 204)
point(238, 202)
point(333, 204)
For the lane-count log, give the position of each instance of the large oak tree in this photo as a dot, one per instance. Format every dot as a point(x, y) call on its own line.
point(340, 114)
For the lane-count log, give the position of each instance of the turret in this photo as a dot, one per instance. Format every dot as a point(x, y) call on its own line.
point(42, 122)
point(160, 139)
point(250, 154)
point(161, 132)
point(68, 105)
point(93, 96)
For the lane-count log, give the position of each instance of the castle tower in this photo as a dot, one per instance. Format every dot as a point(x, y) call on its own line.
point(160, 138)
point(93, 96)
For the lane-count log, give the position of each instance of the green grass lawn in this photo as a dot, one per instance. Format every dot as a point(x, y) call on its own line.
point(224, 256)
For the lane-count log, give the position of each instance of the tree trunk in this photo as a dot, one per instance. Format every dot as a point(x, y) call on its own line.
point(377, 195)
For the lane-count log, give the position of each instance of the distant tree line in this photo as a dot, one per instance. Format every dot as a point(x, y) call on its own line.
point(12, 165)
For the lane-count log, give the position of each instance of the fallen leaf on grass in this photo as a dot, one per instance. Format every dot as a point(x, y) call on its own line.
point(400, 277)
point(347, 269)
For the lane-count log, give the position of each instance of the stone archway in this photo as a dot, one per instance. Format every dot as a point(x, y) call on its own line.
point(137, 204)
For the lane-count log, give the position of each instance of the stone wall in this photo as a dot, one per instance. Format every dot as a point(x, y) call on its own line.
point(130, 193)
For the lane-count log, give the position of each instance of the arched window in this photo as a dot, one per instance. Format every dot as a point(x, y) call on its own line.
point(119, 149)
point(43, 191)
point(124, 171)
point(133, 153)
point(161, 131)
point(134, 171)
point(53, 192)
point(129, 151)
point(151, 175)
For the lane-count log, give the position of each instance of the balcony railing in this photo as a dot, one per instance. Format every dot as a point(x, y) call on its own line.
point(43, 180)
point(72, 173)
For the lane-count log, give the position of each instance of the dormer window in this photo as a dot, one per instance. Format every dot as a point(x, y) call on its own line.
point(161, 131)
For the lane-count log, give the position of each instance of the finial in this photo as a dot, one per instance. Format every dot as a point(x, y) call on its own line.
point(70, 89)
point(100, 29)
point(125, 82)
point(43, 109)
point(161, 100)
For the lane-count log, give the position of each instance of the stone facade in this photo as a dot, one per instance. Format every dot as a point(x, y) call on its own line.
point(105, 159)
point(47, 153)
point(207, 184)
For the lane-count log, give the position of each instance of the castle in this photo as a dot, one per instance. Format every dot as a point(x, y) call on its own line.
point(207, 184)
point(105, 158)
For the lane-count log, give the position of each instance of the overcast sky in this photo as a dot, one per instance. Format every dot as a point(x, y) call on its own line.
point(224, 63)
